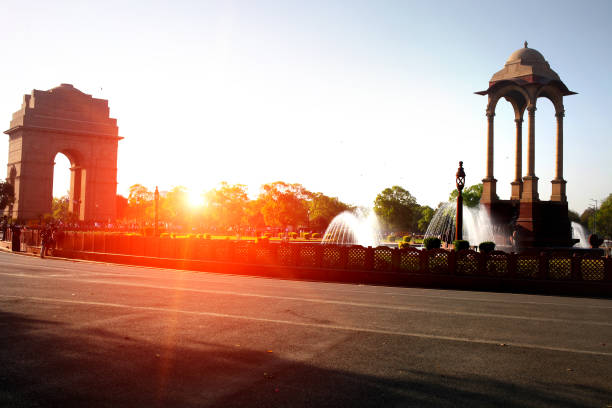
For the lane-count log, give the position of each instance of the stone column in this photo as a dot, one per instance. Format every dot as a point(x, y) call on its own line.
point(558, 184)
point(488, 184)
point(530, 181)
point(517, 184)
point(74, 206)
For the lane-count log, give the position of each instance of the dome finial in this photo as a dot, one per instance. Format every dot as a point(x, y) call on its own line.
point(525, 44)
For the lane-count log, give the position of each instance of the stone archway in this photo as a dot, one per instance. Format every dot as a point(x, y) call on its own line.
point(68, 121)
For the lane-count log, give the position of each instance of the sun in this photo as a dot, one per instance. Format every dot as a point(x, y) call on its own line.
point(195, 198)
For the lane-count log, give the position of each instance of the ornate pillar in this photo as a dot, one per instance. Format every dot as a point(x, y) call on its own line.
point(558, 184)
point(530, 181)
point(488, 184)
point(517, 184)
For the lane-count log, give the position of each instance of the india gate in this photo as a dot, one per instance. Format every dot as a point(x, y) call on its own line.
point(68, 121)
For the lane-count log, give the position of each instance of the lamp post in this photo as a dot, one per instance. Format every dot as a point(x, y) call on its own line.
point(595, 217)
point(460, 182)
point(156, 207)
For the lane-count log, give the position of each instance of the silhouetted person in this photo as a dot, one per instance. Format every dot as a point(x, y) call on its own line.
point(4, 227)
point(15, 242)
point(46, 240)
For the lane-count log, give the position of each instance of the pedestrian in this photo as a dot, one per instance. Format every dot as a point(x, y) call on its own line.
point(46, 240)
point(16, 238)
point(4, 227)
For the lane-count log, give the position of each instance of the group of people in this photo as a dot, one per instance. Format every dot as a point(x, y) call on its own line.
point(48, 235)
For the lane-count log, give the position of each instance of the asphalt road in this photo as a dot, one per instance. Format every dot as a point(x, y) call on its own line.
point(82, 334)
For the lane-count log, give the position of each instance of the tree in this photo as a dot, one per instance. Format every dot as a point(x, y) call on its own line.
point(60, 208)
point(227, 205)
point(7, 195)
point(174, 206)
point(323, 209)
point(587, 217)
point(471, 195)
point(427, 214)
point(397, 209)
point(253, 214)
point(284, 204)
point(573, 216)
point(604, 218)
point(139, 200)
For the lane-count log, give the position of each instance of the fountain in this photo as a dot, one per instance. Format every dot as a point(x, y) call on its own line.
point(581, 233)
point(354, 228)
point(477, 225)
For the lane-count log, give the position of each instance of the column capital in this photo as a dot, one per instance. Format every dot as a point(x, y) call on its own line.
point(518, 121)
point(560, 114)
point(490, 114)
point(531, 109)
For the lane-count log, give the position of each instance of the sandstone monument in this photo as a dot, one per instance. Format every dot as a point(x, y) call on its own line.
point(525, 78)
point(63, 120)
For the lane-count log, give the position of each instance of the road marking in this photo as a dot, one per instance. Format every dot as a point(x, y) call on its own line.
point(316, 325)
point(320, 301)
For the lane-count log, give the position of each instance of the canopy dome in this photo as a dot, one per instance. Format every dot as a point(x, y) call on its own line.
point(526, 62)
point(526, 66)
point(526, 56)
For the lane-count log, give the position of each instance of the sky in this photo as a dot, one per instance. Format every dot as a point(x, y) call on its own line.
point(345, 97)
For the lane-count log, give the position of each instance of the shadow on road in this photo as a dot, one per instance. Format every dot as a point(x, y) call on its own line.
point(52, 365)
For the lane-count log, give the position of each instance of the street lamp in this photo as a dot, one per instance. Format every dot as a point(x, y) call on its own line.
point(460, 182)
point(156, 207)
point(595, 217)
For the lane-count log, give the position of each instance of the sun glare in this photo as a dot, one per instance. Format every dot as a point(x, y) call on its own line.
point(195, 198)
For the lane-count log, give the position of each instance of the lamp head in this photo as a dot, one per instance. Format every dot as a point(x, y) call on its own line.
point(460, 180)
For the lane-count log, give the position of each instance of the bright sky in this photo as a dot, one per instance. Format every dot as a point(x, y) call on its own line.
point(344, 97)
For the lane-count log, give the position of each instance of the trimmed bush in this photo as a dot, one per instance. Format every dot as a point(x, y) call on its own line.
point(407, 238)
point(403, 244)
point(206, 236)
point(263, 240)
point(164, 235)
point(461, 244)
point(293, 235)
point(432, 243)
point(307, 235)
point(316, 235)
point(486, 246)
point(391, 238)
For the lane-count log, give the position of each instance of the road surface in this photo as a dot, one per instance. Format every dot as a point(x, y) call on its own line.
point(84, 334)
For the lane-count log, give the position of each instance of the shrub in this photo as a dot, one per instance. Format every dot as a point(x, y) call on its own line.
point(293, 235)
point(407, 238)
point(307, 235)
point(432, 243)
point(461, 244)
point(164, 235)
point(403, 244)
point(486, 246)
point(206, 236)
point(391, 238)
point(316, 235)
point(266, 235)
point(263, 240)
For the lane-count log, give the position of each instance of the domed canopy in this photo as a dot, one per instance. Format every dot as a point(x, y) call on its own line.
point(526, 56)
point(527, 66)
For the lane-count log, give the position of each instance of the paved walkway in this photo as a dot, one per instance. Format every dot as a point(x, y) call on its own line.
point(75, 334)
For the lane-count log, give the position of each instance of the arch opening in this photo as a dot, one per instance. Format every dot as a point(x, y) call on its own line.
point(504, 148)
point(545, 153)
point(61, 186)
